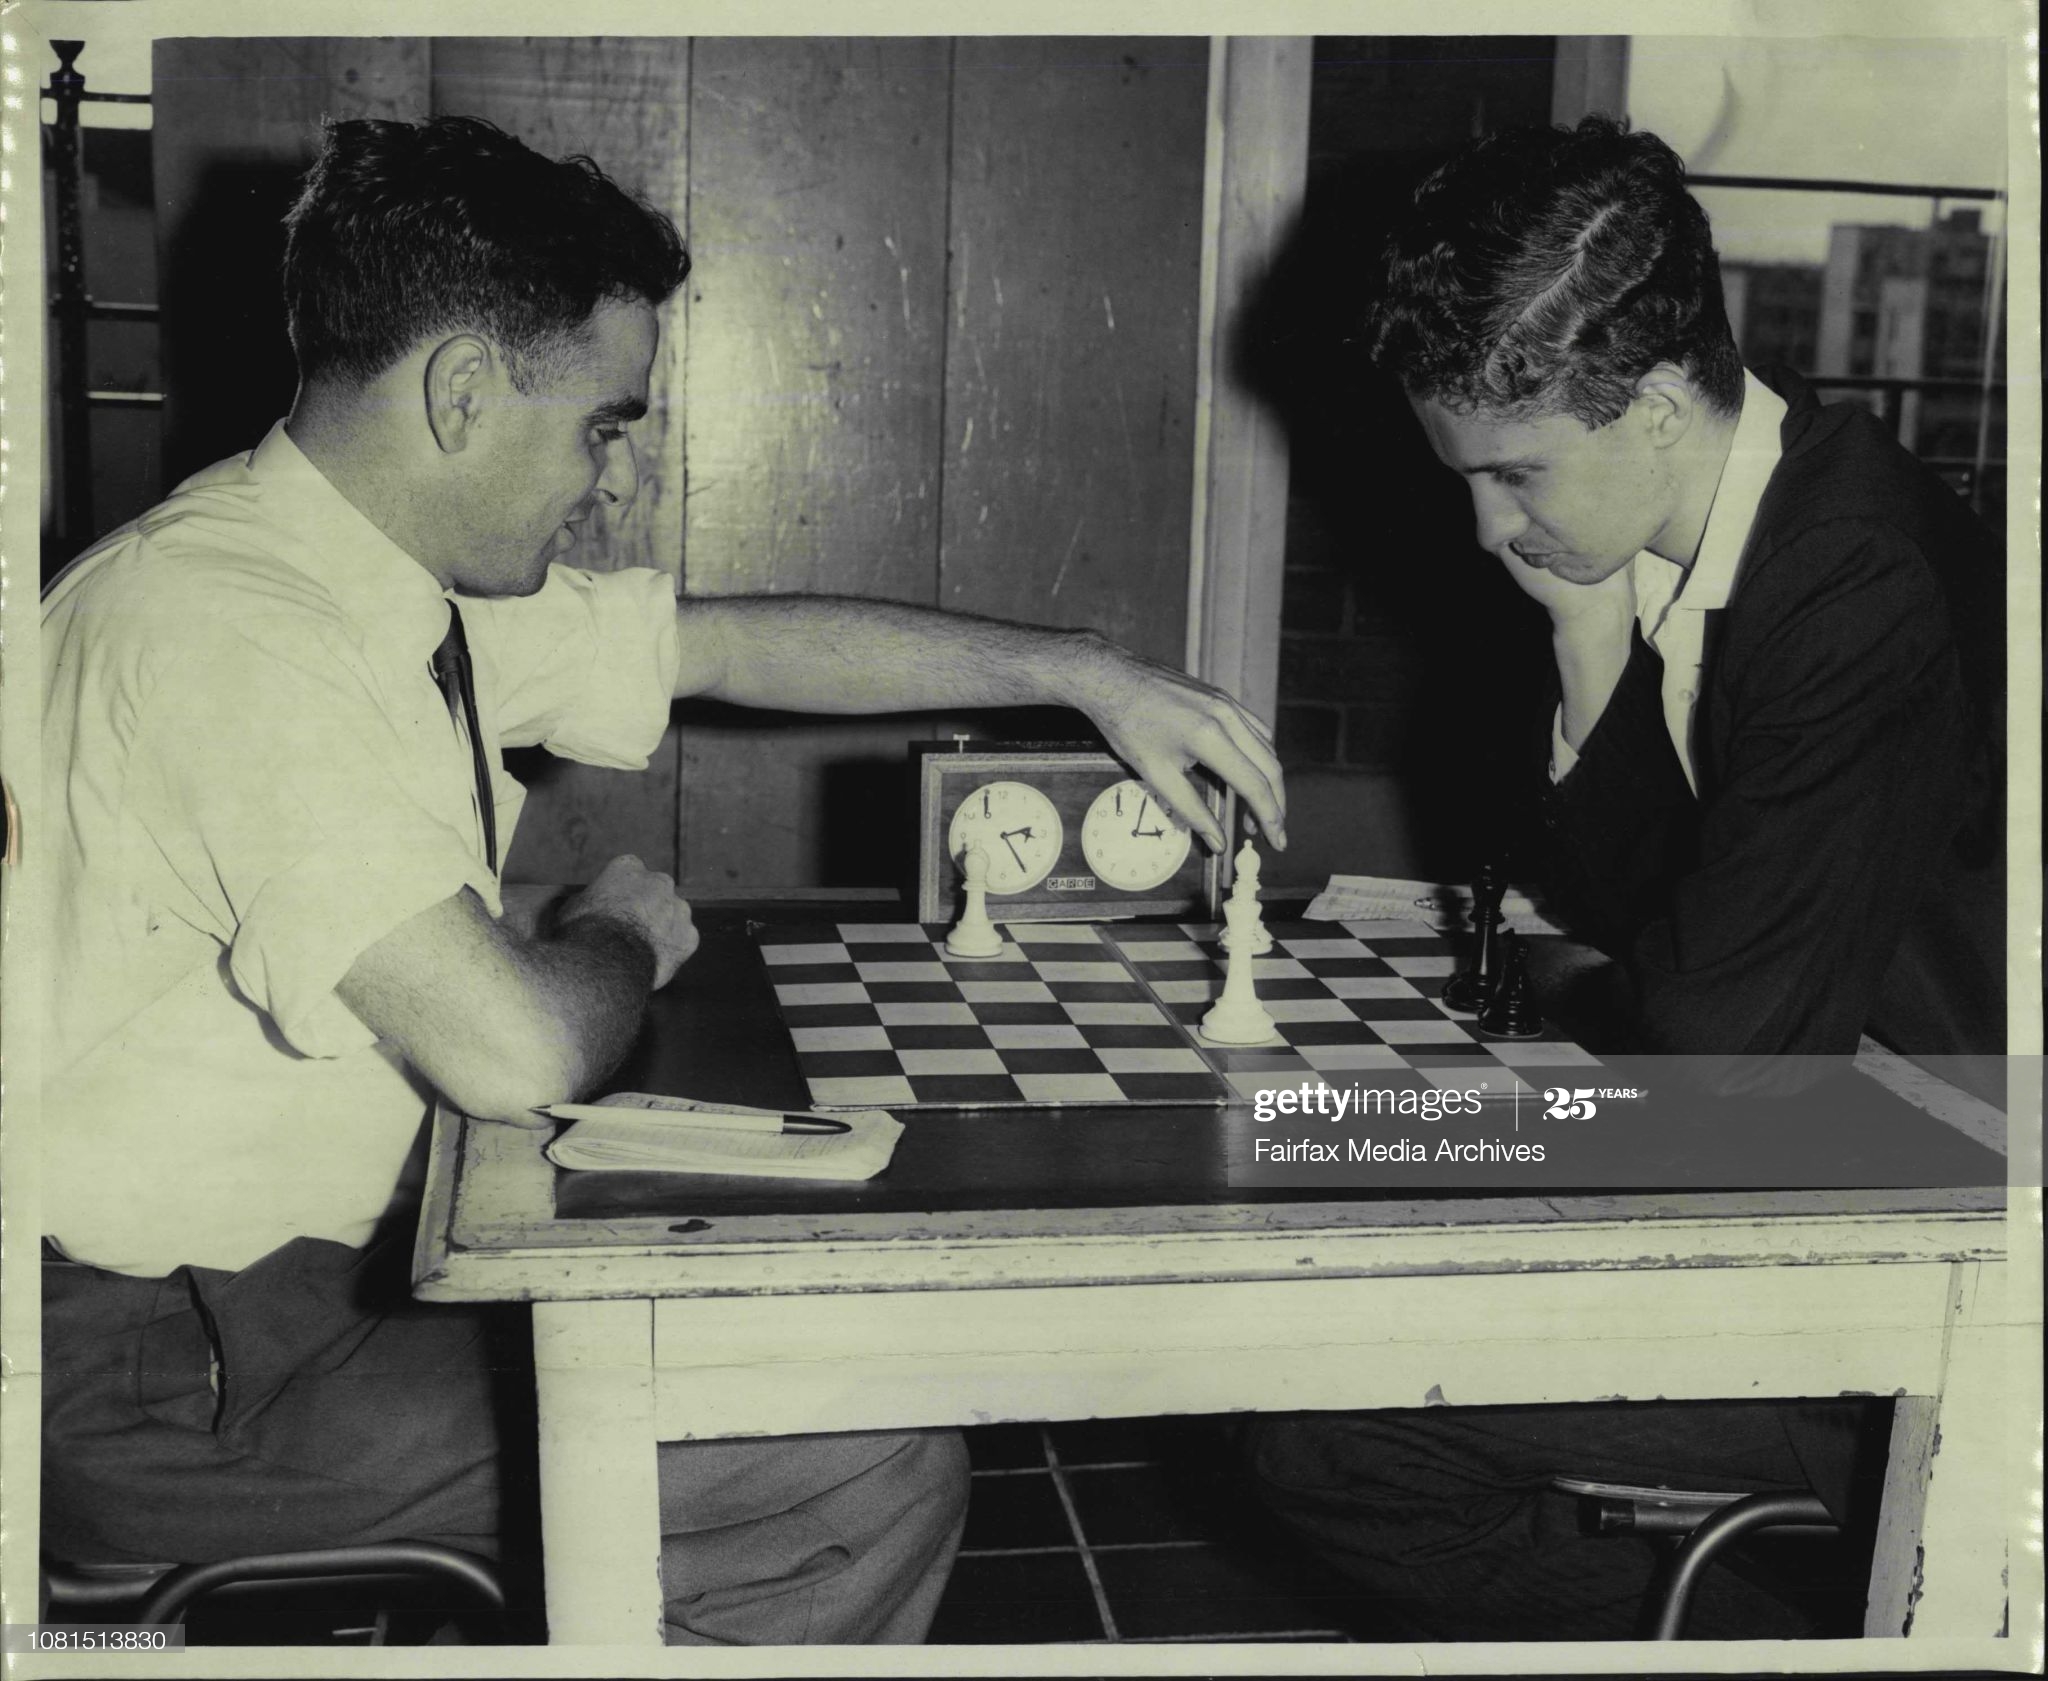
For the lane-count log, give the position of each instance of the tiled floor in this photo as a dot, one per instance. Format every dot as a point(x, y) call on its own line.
point(1126, 1530)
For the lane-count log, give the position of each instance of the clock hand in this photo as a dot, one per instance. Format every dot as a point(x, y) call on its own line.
point(1142, 804)
point(1012, 845)
point(1148, 834)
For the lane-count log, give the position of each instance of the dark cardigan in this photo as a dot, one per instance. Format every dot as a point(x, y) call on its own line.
point(1842, 868)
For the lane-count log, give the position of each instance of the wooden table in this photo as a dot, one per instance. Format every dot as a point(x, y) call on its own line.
point(1075, 1263)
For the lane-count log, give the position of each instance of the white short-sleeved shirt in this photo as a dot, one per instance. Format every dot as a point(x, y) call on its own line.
point(255, 778)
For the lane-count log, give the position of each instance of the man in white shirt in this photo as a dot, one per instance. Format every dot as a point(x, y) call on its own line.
point(1769, 801)
point(275, 706)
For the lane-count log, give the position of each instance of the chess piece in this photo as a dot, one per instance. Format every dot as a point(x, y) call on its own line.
point(1238, 1018)
point(1471, 989)
point(974, 935)
point(1511, 1013)
point(1245, 888)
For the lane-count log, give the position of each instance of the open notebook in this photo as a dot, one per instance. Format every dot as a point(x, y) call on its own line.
point(640, 1132)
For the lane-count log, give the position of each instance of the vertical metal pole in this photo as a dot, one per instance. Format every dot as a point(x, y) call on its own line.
point(1892, 406)
point(1989, 370)
point(67, 87)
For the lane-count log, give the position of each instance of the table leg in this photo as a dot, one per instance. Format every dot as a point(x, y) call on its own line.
point(599, 1503)
point(1963, 1536)
point(1941, 1562)
point(1895, 1565)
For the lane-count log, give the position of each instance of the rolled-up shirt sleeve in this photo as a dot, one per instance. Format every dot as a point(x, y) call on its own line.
point(585, 668)
point(277, 791)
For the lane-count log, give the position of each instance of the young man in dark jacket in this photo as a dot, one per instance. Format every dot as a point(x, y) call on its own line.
point(1772, 796)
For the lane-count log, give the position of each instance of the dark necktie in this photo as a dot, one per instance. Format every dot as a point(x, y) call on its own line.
point(451, 670)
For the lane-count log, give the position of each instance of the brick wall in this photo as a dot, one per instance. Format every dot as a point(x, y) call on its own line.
point(1404, 657)
point(1348, 675)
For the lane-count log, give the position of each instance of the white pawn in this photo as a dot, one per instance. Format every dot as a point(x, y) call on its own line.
point(1238, 1018)
point(974, 935)
point(1246, 888)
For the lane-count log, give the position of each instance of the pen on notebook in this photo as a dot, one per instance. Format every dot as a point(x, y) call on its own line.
point(721, 1120)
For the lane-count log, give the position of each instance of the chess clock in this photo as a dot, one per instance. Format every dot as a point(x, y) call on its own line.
point(1070, 834)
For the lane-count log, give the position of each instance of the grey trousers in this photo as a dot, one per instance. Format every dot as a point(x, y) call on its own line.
point(306, 1401)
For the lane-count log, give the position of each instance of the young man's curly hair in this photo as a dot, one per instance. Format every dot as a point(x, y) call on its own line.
point(1545, 270)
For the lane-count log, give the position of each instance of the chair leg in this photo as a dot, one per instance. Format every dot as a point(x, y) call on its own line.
point(1730, 1523)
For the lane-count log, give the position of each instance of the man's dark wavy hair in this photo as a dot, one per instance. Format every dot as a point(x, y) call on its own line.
point(1545, 270)
point(407, 230)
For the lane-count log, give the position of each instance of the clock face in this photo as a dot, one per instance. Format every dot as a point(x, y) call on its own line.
point(1026, 804)
point(1016, 826)
point(1129, 841)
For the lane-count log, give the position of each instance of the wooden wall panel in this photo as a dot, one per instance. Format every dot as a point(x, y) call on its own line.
point(236, 123)
point(817, 210)
point(1262, 168)
point(624, 104)
point(817, 218)
point(1070, 381)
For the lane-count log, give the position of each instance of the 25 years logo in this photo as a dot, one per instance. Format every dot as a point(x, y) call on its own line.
point(1568, 1103)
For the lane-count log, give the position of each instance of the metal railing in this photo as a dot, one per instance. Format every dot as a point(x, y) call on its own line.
point(1809, 184)
point(1970, 475)
point(72, 305)
point(1973, 473)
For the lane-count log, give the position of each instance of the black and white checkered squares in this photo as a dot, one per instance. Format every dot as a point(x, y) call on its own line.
point(881, 1017)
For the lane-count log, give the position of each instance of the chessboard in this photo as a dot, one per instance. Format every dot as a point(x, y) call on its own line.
point(881, 1016)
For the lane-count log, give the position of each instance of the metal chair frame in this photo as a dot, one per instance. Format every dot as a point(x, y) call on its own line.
point(1705, 1522)
point(163, 1593)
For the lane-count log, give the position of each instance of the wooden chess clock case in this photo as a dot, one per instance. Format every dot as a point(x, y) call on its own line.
point(1060, 882)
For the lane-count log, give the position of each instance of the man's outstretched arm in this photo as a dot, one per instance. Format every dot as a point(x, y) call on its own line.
point(840, 655)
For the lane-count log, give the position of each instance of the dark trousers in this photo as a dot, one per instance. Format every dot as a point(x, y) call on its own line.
point(307, 1402)
point(301, 1402)
point(1446, 1519)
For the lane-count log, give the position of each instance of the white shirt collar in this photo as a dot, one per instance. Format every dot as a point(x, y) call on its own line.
point(1661, 585)
point(397, 601)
